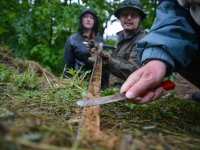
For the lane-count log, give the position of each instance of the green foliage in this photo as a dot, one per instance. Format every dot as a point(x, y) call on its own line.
point(47, 119)
point(76, 74)
point(39, 27)
point(7, 16)
point(48, 57)
point(111, 42)
point(150, 8)
point(38, 30)
point(27, 81)
point(23, 81)
point(5, 74)
point(27, 87)
point(42, 53)
point(78, 80)
point(5, 113)
point(109, 91)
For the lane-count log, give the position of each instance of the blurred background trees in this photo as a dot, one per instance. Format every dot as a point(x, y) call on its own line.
point(37, 30)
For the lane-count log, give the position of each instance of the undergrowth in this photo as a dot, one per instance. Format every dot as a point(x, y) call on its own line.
point(35, 118)
point(27, 111)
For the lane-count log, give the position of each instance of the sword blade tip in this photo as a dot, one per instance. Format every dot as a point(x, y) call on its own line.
point(80, 103)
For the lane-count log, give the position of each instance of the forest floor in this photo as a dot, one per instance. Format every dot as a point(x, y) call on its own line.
point(38, 111)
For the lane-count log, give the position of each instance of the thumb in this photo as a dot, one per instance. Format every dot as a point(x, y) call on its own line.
point(136, 90)
point(93, 49)
point(104, 54)
point(91, 59)
point(133, 86)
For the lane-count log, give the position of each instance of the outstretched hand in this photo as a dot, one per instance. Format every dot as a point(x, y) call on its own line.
point(91, 44)
point(106, 56)
point(148, 77)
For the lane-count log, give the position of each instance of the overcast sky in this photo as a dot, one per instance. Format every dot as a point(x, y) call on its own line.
point(113, 28)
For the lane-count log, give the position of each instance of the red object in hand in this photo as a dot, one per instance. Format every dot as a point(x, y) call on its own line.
point(168, 85)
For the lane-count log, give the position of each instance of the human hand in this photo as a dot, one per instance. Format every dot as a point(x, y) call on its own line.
point(146, 78)
point(106, 56)
point(91, 44)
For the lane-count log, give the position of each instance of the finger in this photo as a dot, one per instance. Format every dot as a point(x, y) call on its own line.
point(136, 90)
point(104, 54)
point(93, 50)
point(135, 100)
point(96, 45)
point(130, 82)
point(152, 95)
point(147, 98)
point(91, 59)
point(158, 93)
point(88, 47)
point(142, 100)
point(144, 83)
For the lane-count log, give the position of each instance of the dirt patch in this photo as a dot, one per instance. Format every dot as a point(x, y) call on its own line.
point(39, 118)
point(184, 88)
point(11, 61)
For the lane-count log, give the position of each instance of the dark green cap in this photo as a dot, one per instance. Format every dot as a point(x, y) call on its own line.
point(135, 4)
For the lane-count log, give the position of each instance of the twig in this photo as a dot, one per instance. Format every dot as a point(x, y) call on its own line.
point(47, 80)
point(13, 98)
point(63, 72)
point(40, 146)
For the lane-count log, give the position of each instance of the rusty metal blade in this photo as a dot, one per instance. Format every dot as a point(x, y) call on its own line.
point(101, 100)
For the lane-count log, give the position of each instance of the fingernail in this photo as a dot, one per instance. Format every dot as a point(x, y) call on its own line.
point(130, 95)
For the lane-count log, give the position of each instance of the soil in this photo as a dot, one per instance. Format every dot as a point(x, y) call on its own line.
point(184, 88)
point(41, 121)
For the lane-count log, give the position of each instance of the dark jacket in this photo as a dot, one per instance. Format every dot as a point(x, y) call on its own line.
point(76, 54)
point(96, 22)
point(124, 59)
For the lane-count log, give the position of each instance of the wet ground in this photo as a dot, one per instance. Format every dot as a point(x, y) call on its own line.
point(184, 88)
point(39, 117)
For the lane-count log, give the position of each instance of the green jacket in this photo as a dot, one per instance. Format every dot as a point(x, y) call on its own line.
point(124, 59)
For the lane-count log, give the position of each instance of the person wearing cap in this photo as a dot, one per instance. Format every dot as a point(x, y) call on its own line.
point(75, 51)
point(172, 45)
point(123, 60)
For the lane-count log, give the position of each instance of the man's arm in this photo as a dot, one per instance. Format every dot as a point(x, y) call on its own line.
point(171, 41)
point(171, 36)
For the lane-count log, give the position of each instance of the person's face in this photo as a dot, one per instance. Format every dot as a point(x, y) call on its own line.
point(130, 19)
point(88, 20)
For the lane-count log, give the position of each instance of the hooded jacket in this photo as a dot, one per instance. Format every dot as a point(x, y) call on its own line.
point(96, 23)
point(75, 51)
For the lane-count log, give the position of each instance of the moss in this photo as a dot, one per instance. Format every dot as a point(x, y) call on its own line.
point(48, 116)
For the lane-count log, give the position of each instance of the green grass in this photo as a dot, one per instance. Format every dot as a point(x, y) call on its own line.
point(32, 115)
